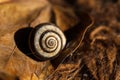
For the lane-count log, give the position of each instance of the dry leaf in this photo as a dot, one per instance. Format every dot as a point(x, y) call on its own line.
point(17, 16)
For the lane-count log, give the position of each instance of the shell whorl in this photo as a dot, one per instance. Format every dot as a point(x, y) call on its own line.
point(48, 40)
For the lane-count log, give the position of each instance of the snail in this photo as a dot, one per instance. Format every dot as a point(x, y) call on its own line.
point(46, 40)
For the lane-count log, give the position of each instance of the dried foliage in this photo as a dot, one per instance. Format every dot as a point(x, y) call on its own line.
point(90, 54)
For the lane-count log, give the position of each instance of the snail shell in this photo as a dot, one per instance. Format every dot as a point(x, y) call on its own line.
point(46, 41)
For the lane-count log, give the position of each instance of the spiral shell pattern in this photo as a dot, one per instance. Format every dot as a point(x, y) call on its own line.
point(48, 40)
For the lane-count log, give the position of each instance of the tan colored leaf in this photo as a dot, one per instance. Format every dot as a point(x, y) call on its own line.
point(18, 15)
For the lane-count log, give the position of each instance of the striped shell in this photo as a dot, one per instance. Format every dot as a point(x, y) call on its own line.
point(46, 41)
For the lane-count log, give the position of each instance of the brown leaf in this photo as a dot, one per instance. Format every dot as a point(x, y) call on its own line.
point(20, 15)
